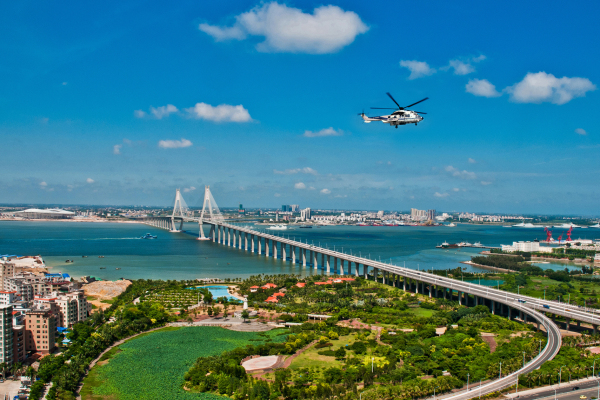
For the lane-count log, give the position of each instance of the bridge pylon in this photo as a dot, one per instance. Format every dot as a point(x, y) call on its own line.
point(179, 210)
point(210, 212)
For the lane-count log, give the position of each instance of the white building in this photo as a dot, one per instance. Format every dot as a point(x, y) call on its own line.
point(7, 297)
point(49, 213)
point(305, 214)
point(528, 247)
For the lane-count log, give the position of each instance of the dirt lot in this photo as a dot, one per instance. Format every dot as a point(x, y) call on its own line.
point(104, 290)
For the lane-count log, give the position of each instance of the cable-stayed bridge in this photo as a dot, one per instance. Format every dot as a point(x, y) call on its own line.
point(307, 255)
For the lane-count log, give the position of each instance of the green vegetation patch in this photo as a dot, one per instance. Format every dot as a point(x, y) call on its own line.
point(152, 366)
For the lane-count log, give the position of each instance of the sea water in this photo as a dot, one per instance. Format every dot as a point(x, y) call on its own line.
point(181, 256)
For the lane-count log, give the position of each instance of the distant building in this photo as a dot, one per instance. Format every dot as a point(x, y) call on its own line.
point(286, 208)
point(417, 215)
point(430, 215)
point(49, 213)
point(379, 214)
point(528, 247)
point(295, 208)
point(305, 214)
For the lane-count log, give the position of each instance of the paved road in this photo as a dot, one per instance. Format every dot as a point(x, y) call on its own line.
point(588, 389)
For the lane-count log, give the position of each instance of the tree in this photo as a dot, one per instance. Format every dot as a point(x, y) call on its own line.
point(210, 311)
point(225, 309)
point(340, 353)
point(245, 315)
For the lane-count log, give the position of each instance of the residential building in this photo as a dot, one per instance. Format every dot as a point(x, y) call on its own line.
point(23, 288)
point(430, 215)
point(6, 334)
point(295, 208)
point(305, 214)
point(7, 298)
point(18, 339)
point(73, 307)
point(417, 215)
point(39, 331)
point(7, 269)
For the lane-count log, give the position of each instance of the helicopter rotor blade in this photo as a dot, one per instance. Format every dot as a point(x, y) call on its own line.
point(394, 100)
point(416, 102)
point(420, 112)
point(382, 108)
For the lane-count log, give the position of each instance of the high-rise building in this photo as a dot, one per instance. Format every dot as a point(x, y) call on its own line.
point(39, 331)
point(417, 215)
point(379, 214)
point(430, 215)
point(6, 334)
point(305, 214)
point(294, 208)
point(286, 208)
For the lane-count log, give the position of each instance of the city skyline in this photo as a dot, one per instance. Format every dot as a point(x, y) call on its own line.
point(123, 104)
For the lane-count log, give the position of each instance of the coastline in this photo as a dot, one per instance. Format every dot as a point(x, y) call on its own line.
point(471, 263)
point(101, 220)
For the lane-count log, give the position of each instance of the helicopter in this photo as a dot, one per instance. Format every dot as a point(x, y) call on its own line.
point(401, 116)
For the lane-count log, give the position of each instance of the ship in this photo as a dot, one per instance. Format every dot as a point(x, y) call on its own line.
point(447, 245)
point(148, 236)
point(278, 227)
point(452, 224)
point(567, 226)
point(306, 226)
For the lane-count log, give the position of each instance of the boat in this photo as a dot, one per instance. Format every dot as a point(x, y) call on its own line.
point(69, 261)
point(83, 256)
point(452, 224)
point(100, 256)
point(447, 245)
point(148, 236)
point(306, 226)
point(117, 268)
point(595, 226)
point(102, 267)
point(279, 227)
point(362, 224)
point(477, 244)
point(567, 226)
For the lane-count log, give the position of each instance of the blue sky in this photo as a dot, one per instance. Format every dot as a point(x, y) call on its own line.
point(122, 102)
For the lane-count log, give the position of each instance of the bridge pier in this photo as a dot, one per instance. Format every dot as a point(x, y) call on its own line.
point(293, 251)
point(259, 245)
point(303, 257)
point(275, 249)
point(341, 266)
point(315, 256)
point(328, 264)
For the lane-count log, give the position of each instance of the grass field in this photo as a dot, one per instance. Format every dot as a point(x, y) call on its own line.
point(421, 312)
point(311, 358)
point(151, 366)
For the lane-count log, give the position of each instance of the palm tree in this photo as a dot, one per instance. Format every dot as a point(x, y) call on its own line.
point(3, 368)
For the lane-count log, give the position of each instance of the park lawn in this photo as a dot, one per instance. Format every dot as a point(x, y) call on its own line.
point(152, 365)
point(311, 358)
point(421, 312)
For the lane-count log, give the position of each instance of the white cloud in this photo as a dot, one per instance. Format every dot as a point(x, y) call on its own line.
point(288, 29)
point(164, 111)
point(325, 191)
point(438, 194)
point(220, 113)
point(542, 87)
point(43, 184)
point(417, 69)
point(461, 68)
point(460, 174)
point(485, 183)
point(190, 189)
point(299, 185)
point(277, 195)
point(464, 66)
point(580, 131)
point(174, 144)
point(117, 148)
point(472, 161)
point(305, 170)
point(324, 132)
point(89, 180)
point(482, 87)
point(340, 196)
point(456, 190)
point(65, 83)
point(139, 114)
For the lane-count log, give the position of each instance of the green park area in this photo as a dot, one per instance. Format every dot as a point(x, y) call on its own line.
point(152, 366)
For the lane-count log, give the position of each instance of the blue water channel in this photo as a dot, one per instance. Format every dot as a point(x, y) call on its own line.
point(181, 256)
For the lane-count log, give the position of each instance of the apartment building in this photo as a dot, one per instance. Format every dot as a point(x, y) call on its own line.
point(7, 269)
point(6, 334)
point(18, 343)
point(40, 326)
point(22, 288)
point(7, 297)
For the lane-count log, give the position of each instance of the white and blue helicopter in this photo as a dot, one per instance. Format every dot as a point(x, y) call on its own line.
point(401, 116)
